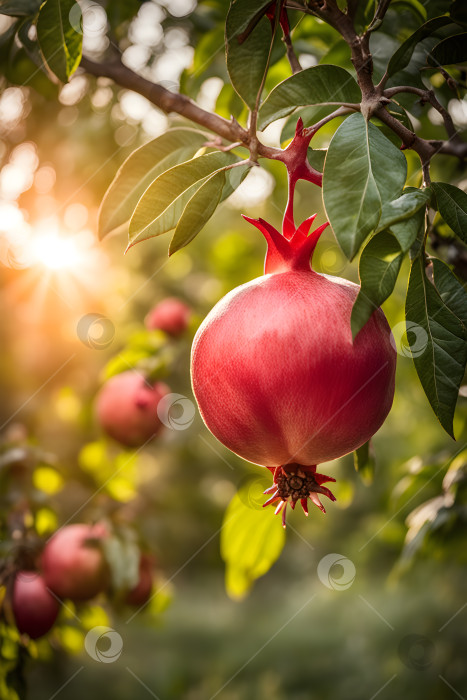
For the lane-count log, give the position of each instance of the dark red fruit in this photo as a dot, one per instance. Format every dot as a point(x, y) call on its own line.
point(126, 408)
point(170, 315)
point(73, 564)
point(277, 376)
point(141, 593)
point(34, 607)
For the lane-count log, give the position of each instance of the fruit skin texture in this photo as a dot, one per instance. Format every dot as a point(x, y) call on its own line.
point(126, 408)
point(275, 372)
point(140, 594)
point(170, 315)
point(73, 565)
point(34, 607)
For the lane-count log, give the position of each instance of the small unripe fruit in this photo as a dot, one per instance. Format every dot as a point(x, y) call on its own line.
point(140, 594)
point(170, 315)
point(73, 564)
point(34, 608)
point(126, 408)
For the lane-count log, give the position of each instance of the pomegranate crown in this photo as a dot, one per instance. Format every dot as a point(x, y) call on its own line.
point(292, 253)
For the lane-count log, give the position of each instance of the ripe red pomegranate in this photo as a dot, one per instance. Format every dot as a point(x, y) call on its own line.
point(277, 377)
point(34, 607)
point(140, 594)
point(170, 315)
point(73, 564)
point(126, 408)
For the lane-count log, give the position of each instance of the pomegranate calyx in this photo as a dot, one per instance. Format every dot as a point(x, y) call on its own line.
point(288, 254)
point(296, 482)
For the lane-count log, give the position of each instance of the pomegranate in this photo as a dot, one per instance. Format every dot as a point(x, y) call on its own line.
point(126, 408)
point(140, 594)
point(73, 564)
point(34, 607)
point(170, 315)
point(277, 376)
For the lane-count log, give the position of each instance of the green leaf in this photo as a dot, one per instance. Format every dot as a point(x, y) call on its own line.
point(452, 205)
point(247, 61)
point(407, 230)
point(252, 539)
point(378, 268)
point(318, 85)
point(362, 172)
point(203, 204)
point(404, 207)
point(140, 169)
point(163, 202)
point(199, 209)
point(414, 5)
point(450, 289)
point(453, 49)
point(441, 344)
point(401, 58)
point(59, 41)
point(19, 8)
point(364, 462)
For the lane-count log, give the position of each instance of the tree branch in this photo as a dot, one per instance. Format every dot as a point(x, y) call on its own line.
point(174, 102)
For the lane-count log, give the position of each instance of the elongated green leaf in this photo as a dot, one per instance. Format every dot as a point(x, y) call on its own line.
point(140, 169)
point(58, 39)
point(19, 8)
point(203, 203)
point(251, 540)
point(402, 56)
point(450, 289)
point(452, 205)
point(379, 266)
point(403, 207)
point(318, 85)
point(199, 209)
point(407, 230)
point(364, 462)
point(247, 58)
point(417, 7)
point(439, 360)
point(162, 203)
point(363, 170)
point(453, 49)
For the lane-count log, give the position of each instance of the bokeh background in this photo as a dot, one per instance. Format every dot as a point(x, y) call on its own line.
point(389, 623)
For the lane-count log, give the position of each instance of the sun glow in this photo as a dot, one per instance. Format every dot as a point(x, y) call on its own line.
point(55, 252)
